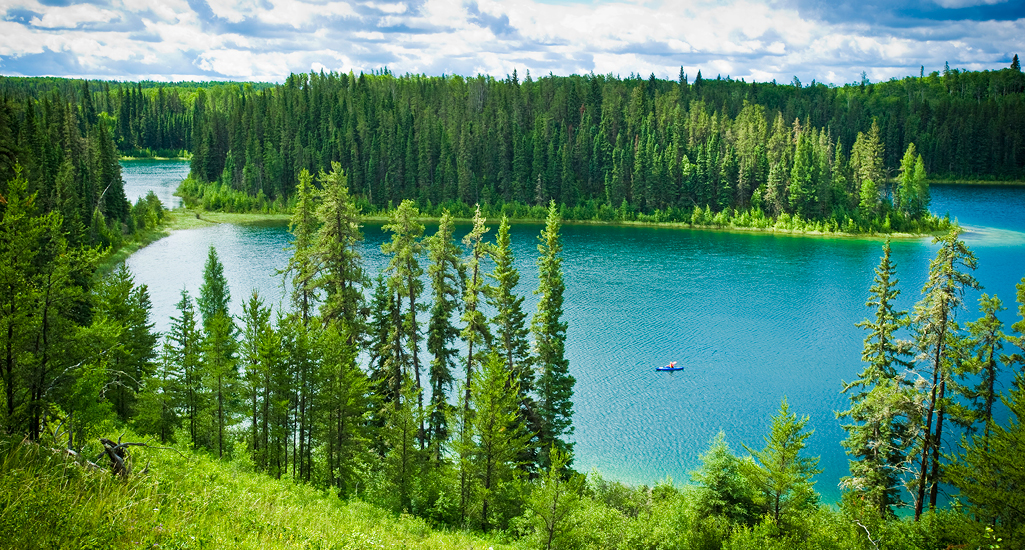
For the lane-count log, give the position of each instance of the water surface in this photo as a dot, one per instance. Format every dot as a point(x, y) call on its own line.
point(753, 317)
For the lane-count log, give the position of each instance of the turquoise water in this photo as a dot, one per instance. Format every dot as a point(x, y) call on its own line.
point(160, 176)
point(753, 317)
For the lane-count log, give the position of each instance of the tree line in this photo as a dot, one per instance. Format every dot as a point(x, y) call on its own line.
point(332, 391)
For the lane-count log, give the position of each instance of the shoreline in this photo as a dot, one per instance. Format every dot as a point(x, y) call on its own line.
point(1001, 183)
point(188, 218)
point(153, 158)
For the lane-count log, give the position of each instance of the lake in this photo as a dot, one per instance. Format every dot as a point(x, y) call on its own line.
point(752, 317)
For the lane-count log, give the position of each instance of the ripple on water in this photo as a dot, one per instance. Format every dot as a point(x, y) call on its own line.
point(752, 318)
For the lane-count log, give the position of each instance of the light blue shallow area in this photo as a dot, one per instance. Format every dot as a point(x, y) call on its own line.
point(753, 317)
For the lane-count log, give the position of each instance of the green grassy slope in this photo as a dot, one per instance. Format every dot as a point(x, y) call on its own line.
point(49, 501)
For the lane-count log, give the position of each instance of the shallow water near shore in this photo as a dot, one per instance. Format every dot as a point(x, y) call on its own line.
point(753, 317)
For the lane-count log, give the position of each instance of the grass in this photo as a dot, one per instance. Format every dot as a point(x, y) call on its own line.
point(48, 500)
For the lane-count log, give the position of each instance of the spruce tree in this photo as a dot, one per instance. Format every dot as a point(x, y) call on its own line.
point(882, 404)
point(510, 329)
point(303, 267)
point(554, 385)
point(404, 248)
point(186, 347)
point(338, 242)
point(935, 325)
point(446, 276)
point(475, 333)
point(214, 294)
point(779, 471)
point(500, 437)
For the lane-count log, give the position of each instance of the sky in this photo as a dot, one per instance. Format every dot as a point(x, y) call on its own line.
point(830, 41)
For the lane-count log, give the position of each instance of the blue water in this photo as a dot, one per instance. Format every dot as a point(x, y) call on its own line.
point(160, 176)
point(753, 317)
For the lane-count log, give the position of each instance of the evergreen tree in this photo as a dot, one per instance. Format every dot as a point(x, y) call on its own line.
point(554, 385)
point(214, 294)
point(348, 402)
point(553, 500)
point(185, 347)
point(779, 471)
point(446, 276)
point(510, 328)
point(724, 490)
point(881, 404)
point(338, 241)
point(986, 337)
point(988, 475)
point(935, 325)
point(500, 439)
point(128, 306)
point(476, 332)
point(219, 349)
point(304, 266)
point(404, 248)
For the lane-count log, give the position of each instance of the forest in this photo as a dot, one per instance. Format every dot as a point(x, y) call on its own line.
point(603, 147)
point(424, 398)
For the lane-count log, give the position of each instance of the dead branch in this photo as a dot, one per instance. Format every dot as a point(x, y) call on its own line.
point(118, 454)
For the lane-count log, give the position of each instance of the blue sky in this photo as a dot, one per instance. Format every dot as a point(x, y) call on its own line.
point(830, 41)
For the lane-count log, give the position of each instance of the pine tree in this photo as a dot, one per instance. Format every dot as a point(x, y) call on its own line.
point(554, 385)
point(779, 471)
point(338, 241)
point(446, 276)
point(500, 437)
point(404, 248)
point(304, 266)
point(934, 321)
point(510, 328)
point(476, 332)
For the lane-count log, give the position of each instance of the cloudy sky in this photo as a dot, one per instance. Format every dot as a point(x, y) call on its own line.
point(831, 41)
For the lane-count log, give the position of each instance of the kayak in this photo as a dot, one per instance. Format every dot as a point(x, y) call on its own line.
point(670, 366)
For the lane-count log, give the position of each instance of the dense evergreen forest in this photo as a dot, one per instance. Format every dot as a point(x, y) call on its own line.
point(604, 148)
point(426, 390)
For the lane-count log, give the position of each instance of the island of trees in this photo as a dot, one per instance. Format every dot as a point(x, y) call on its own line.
point(325, 424)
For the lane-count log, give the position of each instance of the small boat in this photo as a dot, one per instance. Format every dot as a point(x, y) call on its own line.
point(670, 366)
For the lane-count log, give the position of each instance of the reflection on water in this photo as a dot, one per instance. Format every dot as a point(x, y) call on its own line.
point(752, 317)
point(160, 176)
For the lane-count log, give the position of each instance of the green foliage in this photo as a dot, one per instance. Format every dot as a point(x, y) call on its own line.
point(988, 474)
point(214, 294)
point(554, 502)
point(882, 406)
point(724, 489)
point(554, 383)
point(190, 502)
point(446, 275)
point(780, 473)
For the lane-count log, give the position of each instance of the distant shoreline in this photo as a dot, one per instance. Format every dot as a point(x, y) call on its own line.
point(154, 158)
point(182, 219)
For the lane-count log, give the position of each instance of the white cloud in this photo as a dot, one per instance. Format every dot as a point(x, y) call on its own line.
point(73, 16)
point(267, 39)
point(967, 3)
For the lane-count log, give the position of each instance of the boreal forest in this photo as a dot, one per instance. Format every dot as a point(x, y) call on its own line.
point(424, 406)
